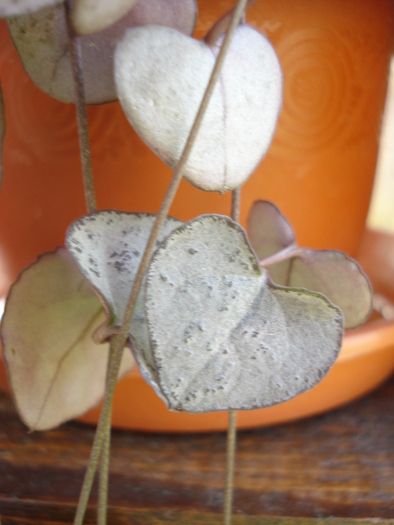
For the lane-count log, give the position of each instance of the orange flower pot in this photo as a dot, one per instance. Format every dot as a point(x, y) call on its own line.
point(319, 171)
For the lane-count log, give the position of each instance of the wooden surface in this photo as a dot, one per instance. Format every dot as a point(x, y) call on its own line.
point(339, 464)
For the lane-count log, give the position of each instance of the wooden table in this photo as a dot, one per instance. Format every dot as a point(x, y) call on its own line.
point(339, 464)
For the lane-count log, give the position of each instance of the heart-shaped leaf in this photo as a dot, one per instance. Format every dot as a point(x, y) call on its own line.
point(329, 272)
point(161, 76)
point(2, 133)
point(338, 277)
point(91, 16)
point(107, 247)
point(22, 7)
point(222, 335)
point(55, 370)
point(42, 43)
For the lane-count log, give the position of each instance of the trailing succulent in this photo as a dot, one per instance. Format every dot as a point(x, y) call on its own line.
point(218, 319)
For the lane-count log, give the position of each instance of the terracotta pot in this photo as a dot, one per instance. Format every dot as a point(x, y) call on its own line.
point(319, 171)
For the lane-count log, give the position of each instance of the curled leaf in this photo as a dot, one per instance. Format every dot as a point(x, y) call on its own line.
point(222, 335)
point(55, 370)
point(2, 133)
point(107, 247)
point(42, 43)
point(329, 272)
point(268, 229)
point(269, 233)
point(161, 87)
point(21, 7)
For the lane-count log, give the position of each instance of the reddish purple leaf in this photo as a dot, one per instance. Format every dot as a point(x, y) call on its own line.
point(42, 43)
point(55, 370)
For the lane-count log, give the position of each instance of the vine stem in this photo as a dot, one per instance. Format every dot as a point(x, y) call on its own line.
point(232, 427)
point(104, 462)
point(230, 462)
point(90, 199)
point(101, 434)
point(104, 477)
point(222, 25)
point(83, 133)
point(120, 339)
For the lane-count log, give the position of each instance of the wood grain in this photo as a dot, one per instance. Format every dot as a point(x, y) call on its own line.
point(338, 464)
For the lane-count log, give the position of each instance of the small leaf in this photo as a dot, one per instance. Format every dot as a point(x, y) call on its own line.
point(161, 87)
point(335, 275)
point(42, 43)
point(2, 133)
point(329, 272)
point(268, 229)
point(22, 7)
point(222, 335)
point(108, 247)
point(55, 370)
point(91, 16)
point(269, 233)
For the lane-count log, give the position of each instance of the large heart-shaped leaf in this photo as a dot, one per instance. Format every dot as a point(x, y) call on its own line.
point(222, 335)
point(161, 76)
point(22, 7)
point(42, 43)
point(55, 370)
point(107, 247)
point(2, 133)
point(329, 272)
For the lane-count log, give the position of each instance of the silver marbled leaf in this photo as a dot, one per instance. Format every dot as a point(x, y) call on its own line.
point(107, 247)
point(161, 76)
point(222, 335)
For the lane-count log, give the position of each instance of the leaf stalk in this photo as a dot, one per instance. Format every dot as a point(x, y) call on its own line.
point(82, 121)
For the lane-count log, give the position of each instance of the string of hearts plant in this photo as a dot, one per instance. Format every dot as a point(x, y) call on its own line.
point(209, 326)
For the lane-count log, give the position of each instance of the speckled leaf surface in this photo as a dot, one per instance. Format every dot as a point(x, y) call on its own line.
point(329, 272)
point(161, 76)
point(222, 335)
point(55, 370)
point(22, 7)
point(107, 247)
point(42, 43)
point(2, 133)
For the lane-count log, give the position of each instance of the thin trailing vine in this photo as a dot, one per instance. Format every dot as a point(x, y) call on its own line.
point(104, 477)
point(232, 414)
point(90, 199)
point(100, 435)
point(120, 339)
point(222, 25)
point(230, 461)
point(83, 134)
point(212, 227)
